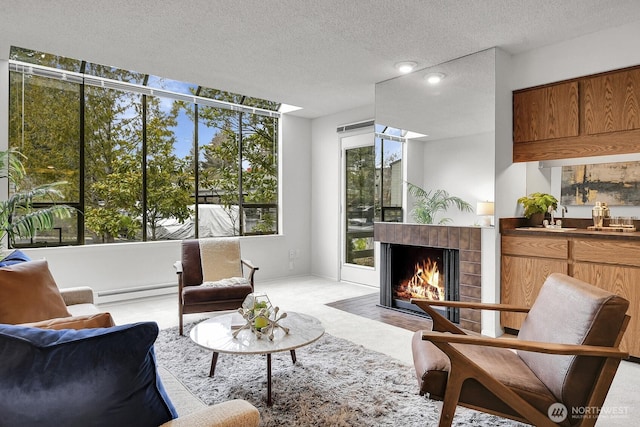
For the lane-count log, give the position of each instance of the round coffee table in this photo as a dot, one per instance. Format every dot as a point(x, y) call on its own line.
point(216, 334)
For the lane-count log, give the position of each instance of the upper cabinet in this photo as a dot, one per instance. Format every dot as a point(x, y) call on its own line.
point(545, 113)
point(590, 116)
point(612, 102)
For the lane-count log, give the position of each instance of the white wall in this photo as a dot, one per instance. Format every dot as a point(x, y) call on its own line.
point(464, 167)
point(510, 184)
point(594, 53)
point(325, 189)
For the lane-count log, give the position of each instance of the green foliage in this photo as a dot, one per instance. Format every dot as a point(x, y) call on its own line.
point(428, 204)
point(537, 203)
point(220, 167)
point(18, 218)
point(359, 244)
point(266, 224)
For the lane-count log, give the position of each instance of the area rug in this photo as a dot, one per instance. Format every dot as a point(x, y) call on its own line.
point(333, 383)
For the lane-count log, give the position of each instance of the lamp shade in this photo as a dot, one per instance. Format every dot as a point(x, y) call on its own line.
point(484, 208)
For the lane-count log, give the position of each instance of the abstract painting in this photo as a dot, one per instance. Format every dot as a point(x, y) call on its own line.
point(617, 184)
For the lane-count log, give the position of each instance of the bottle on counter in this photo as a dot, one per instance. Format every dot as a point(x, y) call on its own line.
point(606, 214)
point(597, 213)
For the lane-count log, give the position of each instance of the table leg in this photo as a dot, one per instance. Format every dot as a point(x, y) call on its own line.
point(293, 356)
point(269, 402)
point(214, 360)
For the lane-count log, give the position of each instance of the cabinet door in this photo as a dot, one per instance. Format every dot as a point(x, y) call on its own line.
point(546, 113)
point(623, 281)
point(612, 102)
point(521, 279)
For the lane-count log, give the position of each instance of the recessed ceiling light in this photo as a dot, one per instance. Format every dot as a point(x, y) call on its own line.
point(434, 78)
point(406, 66)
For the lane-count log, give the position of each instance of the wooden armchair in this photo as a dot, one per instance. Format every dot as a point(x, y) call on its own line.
point(212, 276)
point(566, 355)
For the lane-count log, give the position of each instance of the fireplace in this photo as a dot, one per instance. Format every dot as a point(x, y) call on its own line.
point(419, 272)
point(466, 241)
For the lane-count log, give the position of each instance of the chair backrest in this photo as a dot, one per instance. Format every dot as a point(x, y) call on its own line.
point(570, 311)
point(210, 259)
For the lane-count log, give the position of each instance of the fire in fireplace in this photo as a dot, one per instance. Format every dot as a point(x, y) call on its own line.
point(419, 272)
point(423, 282)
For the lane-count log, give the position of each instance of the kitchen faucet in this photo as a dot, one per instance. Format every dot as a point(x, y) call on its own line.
point(564, 210)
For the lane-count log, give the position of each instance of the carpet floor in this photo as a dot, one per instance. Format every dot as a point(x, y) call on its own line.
point(333, 383)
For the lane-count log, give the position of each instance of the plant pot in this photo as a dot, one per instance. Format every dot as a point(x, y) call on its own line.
point(536, 219)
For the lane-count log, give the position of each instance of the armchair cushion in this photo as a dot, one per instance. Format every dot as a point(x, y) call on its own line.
point(98, 377)
point(588, 315)
point(229, 289)
point(220, 258)
point(28, 293)
point(432, 369)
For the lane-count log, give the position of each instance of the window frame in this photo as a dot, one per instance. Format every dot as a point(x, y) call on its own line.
point(85, 80)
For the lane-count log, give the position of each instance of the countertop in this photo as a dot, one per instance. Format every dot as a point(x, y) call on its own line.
point(571, 228)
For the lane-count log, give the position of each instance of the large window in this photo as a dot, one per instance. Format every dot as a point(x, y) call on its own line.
point(141, 157)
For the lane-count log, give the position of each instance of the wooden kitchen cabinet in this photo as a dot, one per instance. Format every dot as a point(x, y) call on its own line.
point(614, 266)
point(522, 278)
point(594, 115)
point(546, 113)
point(624, 281)
point(526, 263)
point(606, 261)
point(612, 102)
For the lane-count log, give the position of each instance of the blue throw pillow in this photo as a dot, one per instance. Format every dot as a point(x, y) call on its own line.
point(14, 257)
point(89, 377)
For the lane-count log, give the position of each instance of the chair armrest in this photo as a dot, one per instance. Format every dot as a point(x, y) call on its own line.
point(535, 346)
point(249, 264)
point(77, 295)
point(252, 269)
point(474, 305)
point(178, 266)
point(232, 413)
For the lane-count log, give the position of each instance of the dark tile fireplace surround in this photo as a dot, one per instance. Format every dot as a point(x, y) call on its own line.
point(466, 240)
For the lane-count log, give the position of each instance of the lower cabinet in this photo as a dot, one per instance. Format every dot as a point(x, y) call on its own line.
point(524, 278)
point(610, 264)
point(624, 281)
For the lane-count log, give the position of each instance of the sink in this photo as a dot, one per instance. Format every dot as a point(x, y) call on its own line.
point(552, 229)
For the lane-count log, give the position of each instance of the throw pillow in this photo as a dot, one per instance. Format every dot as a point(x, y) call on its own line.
point(14, 257)
point(91, 377)
point(100, 320)
point(28, 293)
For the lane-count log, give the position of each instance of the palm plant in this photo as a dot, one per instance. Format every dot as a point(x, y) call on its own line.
point(18, 218)
point(429, 203)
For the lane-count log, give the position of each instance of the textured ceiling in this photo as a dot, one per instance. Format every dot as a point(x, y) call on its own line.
point(322, 55)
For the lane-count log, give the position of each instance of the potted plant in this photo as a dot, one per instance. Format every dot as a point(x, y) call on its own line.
point(429, 203)
point(536, 206)
point(18, 218)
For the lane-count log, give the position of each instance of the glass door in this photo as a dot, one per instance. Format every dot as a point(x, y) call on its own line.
point(359, 210)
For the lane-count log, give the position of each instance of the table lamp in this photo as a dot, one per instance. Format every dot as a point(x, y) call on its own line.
point(485, 210)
